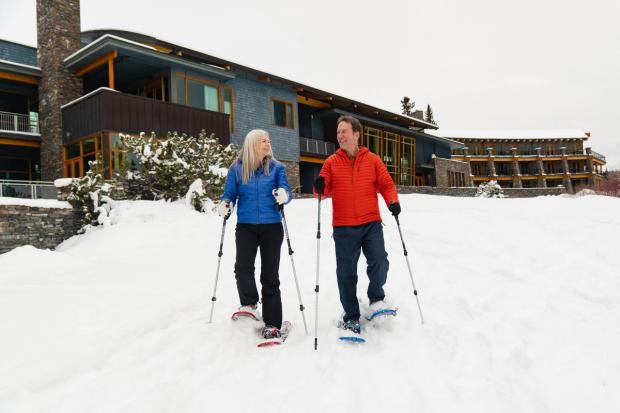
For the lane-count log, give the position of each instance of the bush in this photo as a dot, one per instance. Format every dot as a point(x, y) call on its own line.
point(90, 195)
point(166, 168)
point(490, 189)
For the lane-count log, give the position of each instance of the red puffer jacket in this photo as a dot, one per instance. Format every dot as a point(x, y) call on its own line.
point(354, 188)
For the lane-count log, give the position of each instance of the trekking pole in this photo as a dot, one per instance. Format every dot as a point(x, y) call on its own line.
point(290, 254)
point(415, 292)
point(217, 272)
point(316, 288)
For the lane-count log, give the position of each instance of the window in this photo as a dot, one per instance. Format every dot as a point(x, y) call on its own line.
point(78, 154)
point(204, 94)
point(119, 157)
point(282, 113)
point(227, 106)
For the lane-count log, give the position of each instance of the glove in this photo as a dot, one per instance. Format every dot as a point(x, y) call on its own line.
point(224, 209)
point(280, 195)
point(394, 208)
point(319, 185)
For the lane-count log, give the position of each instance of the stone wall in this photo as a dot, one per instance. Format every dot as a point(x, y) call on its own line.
point(443, 168)
point(292, 174)
point(471, 191)
point(41, 227)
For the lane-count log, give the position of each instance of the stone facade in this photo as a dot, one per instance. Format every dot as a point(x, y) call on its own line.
point(444, 168)
point(292, 174)
point(41, 227)
point(58, 36)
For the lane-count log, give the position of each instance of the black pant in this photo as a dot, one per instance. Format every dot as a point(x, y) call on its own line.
point(350, 241)
point(269, 238)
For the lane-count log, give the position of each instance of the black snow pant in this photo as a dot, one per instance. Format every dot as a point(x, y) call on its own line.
point(267, 237)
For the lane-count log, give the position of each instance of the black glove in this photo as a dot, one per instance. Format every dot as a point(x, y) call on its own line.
point(394, 208)
point(319, 185)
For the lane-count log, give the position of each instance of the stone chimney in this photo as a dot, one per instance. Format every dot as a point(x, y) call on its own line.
point(58, 36)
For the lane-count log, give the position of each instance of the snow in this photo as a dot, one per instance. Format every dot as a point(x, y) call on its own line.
point(62, 182)
point(40, 203)
point(510, 134)
point(520, 299)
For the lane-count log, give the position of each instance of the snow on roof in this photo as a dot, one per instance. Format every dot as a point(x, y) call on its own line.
point(510, 134)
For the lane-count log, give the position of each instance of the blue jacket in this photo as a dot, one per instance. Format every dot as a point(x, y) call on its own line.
point(256, 202)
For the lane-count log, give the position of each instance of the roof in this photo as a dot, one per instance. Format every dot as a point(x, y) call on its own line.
point(511, 134)
point(165, 48)
point(109, 43)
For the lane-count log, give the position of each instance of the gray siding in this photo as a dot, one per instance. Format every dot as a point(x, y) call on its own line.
point(252, 106)
point(18, 53)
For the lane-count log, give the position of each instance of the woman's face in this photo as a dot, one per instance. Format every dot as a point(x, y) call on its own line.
point(265, 147)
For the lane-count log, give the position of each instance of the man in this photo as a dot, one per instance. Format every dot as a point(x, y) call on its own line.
point(353, 176)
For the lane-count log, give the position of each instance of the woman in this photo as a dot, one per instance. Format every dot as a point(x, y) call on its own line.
point(259, 184)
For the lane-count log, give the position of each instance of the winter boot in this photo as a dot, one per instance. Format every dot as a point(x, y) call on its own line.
point(271, 332)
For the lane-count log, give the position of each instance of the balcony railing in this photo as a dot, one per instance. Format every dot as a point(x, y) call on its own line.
point(28, 189)
point(316, 147)
point(598, 156)
point(17, 122)
point(108, 110)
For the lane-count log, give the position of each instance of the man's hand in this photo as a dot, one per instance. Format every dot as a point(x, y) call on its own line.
point(224, 209)
point(394, 208)
point(319, 185)
point(280, 195)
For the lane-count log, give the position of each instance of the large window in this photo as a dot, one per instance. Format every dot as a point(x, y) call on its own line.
point(78, 154)
point(203, 94)
point(227, 105)
point(396, 151)
point(119, 157)
point(282, 113)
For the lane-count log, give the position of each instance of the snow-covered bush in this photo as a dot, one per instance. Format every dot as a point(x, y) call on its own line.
point(168, 167)
point(490, 190)
point(90, 195)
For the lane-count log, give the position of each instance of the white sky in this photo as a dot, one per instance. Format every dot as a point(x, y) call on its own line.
point(481, 64)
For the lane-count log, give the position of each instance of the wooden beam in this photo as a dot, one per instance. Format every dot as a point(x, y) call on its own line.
point(312, 102)
point(17, 142)
point(111, 73)
point(31, 80)
point(265, 79)
point(99, 62)
point(311, 159)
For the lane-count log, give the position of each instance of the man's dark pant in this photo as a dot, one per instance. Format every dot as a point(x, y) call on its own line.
point(349, 242)
point(267, 237)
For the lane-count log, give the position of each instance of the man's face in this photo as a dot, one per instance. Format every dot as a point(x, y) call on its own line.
point(347, 139)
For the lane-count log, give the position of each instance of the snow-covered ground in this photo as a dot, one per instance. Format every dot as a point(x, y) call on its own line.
point(521, 299)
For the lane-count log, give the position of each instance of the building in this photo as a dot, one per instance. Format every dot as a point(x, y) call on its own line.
point(528, 159)
point(66, 103)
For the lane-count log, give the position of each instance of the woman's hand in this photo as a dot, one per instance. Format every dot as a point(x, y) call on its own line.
point(280, 195)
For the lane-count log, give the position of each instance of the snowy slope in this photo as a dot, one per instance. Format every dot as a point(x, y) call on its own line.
point(520, 297)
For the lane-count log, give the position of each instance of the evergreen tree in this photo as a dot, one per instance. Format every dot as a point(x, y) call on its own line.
point(167, 167)
point(429, 115)
point(407, 106)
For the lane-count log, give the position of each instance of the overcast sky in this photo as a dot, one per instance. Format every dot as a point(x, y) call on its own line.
point(480, 64)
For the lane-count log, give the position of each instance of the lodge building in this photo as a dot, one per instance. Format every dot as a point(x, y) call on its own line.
point(66, 103)
point(530, 159)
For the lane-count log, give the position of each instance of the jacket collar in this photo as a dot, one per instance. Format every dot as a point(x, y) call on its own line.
point(361, 151)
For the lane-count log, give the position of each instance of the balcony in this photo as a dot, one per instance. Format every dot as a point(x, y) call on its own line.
point(598, 156)
point(316, 147)
point(109, 110)
point(19, 122)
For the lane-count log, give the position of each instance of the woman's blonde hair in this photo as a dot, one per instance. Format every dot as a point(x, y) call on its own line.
point(249, 154)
